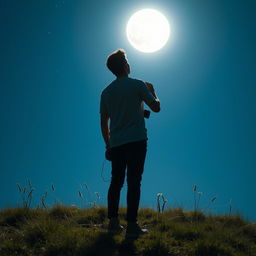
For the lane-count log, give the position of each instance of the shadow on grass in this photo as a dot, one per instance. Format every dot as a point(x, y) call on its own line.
point(106, 245)
point(127, 247)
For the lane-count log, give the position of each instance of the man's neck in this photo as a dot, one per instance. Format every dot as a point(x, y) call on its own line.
point(121, 76)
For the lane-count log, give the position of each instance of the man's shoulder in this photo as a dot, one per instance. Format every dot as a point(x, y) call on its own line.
point(135, 83)
point(135, 80)
point(112, 85)
point(105, 90)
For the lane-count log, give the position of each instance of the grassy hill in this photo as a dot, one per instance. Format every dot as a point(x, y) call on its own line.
point(70, 231)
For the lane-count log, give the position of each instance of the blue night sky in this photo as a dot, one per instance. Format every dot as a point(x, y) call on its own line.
point(53, 70)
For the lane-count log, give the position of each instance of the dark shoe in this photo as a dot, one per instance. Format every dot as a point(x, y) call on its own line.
point(134, 230)
point(114, 226)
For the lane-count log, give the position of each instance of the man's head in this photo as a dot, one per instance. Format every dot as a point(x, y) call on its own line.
point(117, 63)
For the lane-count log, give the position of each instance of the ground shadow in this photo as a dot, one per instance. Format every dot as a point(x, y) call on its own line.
point(106, 245)
point(127, 247)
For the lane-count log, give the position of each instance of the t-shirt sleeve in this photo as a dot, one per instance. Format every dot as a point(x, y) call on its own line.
point(145, 94)
point(103, 107)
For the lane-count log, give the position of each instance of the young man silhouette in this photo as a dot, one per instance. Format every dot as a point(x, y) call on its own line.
point(126, 140)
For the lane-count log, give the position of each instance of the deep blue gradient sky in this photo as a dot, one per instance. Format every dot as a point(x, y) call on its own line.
point(53, 70)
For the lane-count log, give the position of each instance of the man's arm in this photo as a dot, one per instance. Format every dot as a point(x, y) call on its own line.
point(104, 128)
point(155, 105)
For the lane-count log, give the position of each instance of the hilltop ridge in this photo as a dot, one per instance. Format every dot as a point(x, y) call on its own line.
point(71, 231)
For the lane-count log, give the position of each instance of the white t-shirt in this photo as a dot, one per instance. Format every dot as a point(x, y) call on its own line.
point(123, 100)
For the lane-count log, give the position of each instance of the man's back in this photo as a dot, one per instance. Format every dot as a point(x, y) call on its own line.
point(123, 100)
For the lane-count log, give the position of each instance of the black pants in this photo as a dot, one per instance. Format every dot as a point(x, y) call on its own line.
point(131, 155)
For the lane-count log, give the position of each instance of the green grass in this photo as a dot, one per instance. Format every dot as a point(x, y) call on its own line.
point(70, 231)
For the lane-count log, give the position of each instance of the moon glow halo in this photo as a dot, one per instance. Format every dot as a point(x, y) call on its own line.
point(148, 30)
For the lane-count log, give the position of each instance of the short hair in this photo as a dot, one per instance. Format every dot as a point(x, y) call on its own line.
point(116, 62)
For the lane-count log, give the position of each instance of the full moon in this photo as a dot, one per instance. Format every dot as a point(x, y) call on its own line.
point(148, 30)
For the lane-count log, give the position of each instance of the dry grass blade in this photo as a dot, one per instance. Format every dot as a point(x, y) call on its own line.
point(20, 189)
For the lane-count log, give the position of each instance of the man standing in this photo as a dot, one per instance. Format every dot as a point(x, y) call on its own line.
point(126, 140)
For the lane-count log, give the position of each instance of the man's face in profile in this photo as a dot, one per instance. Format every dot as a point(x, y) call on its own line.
point(127, 67)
